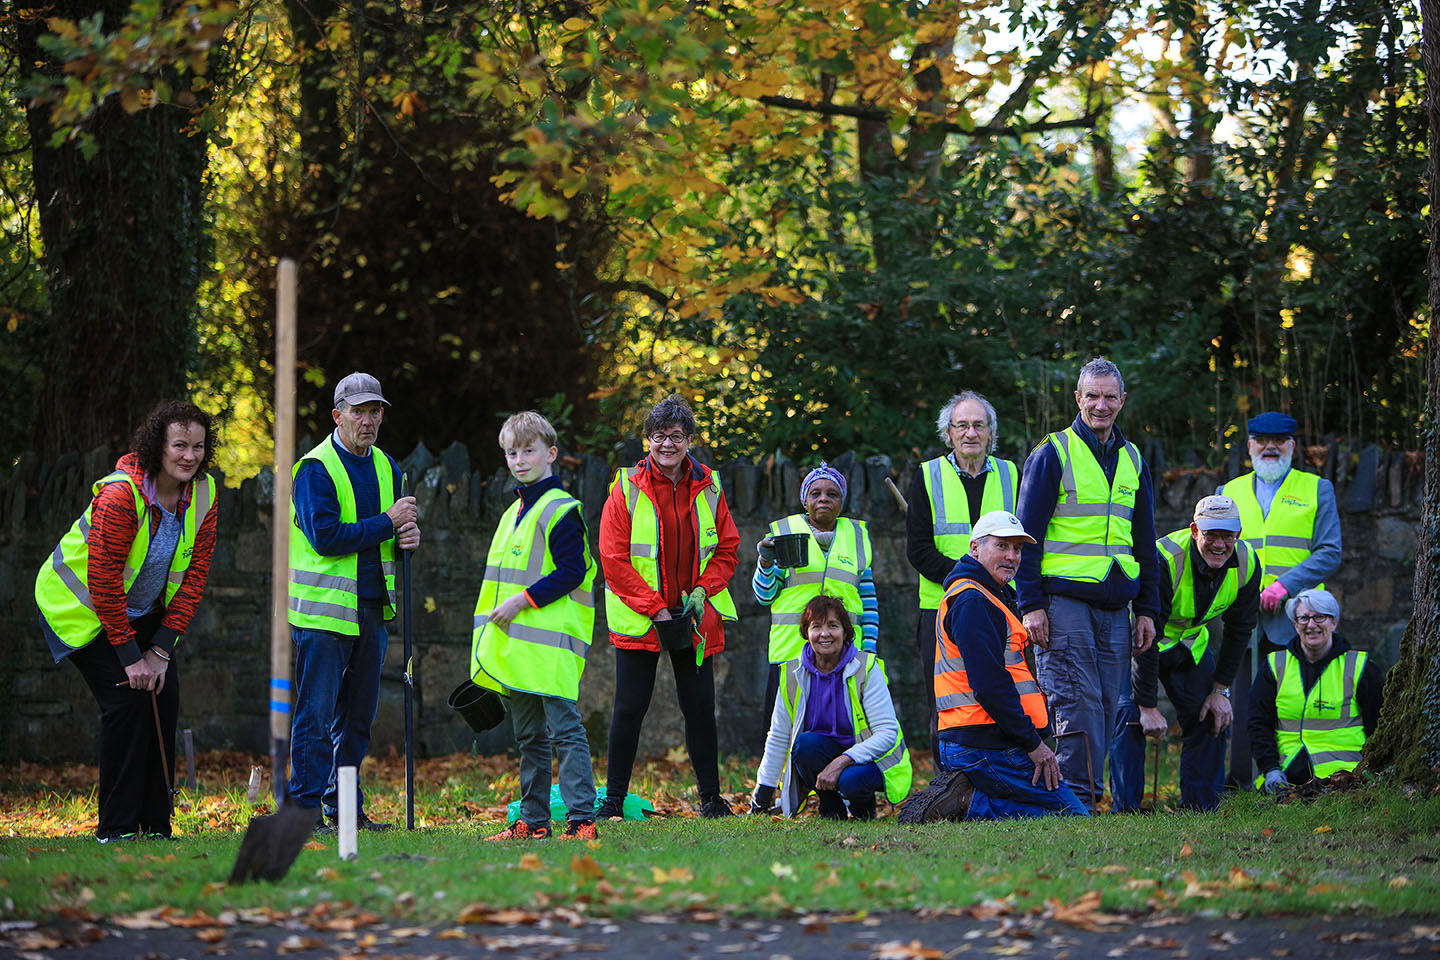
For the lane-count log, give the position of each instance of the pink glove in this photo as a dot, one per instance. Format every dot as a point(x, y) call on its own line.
point(1272, 596)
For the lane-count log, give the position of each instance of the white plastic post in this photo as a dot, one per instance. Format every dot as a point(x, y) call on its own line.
point(252, 789)
point(345, 788)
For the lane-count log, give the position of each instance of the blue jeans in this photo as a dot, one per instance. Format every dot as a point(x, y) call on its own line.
point(1003, 790)
point(1202, 752)
point(1083, 673)
point(532, 716)
point(337, 690)
point(858, 782)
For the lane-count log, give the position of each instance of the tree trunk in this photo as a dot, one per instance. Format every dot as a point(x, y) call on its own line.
point(124, 247)
point(1407, 742)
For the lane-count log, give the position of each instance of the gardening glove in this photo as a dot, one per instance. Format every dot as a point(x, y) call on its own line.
point(1272, 596)
point(1275, 780)
point(763, 799)
point(695, 604)
point(766, 549)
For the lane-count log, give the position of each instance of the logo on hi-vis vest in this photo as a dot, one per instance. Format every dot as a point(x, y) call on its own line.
point(187, 553)
point(1290, 501)
point(517, 551)
point(709, 531)
point(1124, 491)
point(845, 562)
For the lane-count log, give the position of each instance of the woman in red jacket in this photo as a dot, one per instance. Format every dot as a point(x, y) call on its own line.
point(117, 594)
point(668, 549)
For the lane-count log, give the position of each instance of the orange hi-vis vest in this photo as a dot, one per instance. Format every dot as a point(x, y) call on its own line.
point(954, 699)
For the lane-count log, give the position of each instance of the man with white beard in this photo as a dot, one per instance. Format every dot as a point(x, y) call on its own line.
point(1289, 518)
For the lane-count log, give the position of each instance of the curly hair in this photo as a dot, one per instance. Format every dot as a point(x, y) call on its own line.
point(673, 411)
point(824, 606)
point(148, 443)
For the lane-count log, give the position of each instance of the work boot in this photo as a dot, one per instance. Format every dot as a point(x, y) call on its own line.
point(863, 808)
point(831, 806)
point(947, 798)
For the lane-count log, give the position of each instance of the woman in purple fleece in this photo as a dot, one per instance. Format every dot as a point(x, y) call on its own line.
point(818, 738)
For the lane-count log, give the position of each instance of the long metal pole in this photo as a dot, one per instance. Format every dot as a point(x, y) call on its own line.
point(409, 686)
point(280, 687)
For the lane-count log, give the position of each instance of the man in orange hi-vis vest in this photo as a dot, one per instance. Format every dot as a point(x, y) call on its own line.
point(992, 715)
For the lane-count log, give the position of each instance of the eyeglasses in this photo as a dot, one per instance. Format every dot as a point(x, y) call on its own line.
point(978, 427)
point(1312, 618)
point(1268, 441)
point(675, 439)
point(1224, 536)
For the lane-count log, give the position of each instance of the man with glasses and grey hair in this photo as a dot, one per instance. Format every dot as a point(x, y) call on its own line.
point(1289, 518)
point(948, 495)
point(1087, 499)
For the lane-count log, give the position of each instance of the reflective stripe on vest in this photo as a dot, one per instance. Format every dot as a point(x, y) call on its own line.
point(1326, 722)
point(1284, 539)
point(955, 700)
point(1185, 625)
point(645, 550)
point(62, 589)
point(950, 510)
point(541, 651)
point(894, 764)
point(836, 573)
point(1090, 529)
point(324, 591)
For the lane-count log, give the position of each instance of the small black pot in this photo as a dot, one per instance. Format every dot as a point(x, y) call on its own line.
point(481, 709)
point(677, 633)
point(792, 549)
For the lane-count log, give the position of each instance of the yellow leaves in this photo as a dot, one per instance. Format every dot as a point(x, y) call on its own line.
point(408, 102)
point(1084, 912)
point(576, 25)
point(479, 913)
point(1324, 828)
point(585, 868)
point(1397, 882)
point(529, 861)
point(681, 875)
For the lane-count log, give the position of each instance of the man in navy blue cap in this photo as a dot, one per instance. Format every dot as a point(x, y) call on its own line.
point(1289, 518)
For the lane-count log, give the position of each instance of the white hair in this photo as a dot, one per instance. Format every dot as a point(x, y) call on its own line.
point(942, 422)
point(1096, 369)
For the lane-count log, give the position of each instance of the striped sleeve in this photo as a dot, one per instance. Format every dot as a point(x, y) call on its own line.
point(869, 612)
point(767, 584)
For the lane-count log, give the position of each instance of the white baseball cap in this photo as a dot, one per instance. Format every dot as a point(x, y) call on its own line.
point(998, 523)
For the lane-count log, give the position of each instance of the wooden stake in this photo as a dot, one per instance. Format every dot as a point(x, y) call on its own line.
point(280, 699)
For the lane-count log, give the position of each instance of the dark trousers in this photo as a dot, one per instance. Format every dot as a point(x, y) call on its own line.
point(772, 690)
point(694, 688)
point(1242, 767)
point(857, 783)
point(134, 792)
point(1202, 751)
point(925, 650)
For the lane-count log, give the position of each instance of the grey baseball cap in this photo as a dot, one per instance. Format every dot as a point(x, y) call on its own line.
point(359, 388)
point(1217, 513)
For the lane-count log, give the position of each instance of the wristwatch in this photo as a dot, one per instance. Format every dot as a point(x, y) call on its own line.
point(1224, 691)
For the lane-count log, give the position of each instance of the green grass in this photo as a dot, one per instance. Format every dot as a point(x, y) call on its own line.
point(1371, 850)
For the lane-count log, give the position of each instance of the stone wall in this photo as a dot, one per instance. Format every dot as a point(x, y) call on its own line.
point(225, 656)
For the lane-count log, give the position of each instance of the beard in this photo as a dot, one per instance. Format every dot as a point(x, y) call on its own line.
point(1271, 471)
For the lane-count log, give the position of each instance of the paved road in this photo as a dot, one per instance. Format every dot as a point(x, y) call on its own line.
point(896, 936)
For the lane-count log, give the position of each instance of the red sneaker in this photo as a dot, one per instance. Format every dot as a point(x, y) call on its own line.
point(520, 830)
point(580, 830)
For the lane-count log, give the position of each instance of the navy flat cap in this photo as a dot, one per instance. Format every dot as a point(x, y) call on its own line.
point(1272, 424)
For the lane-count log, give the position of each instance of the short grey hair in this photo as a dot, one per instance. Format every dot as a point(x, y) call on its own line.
point(942, 422)
point(1321, 601)
point(673, 411)
point(1098, 368)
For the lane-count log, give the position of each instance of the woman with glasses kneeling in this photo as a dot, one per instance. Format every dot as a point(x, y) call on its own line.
point(1314, 702)
point(668, 547)
point(833, 729)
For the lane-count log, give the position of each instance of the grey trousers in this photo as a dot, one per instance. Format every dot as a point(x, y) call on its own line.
point(1083, 673)
point(540, 722)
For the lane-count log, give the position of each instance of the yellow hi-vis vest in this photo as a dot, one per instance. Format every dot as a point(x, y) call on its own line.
point(1187, 625)
point(950, 510)
point(1327, 723)
point(645, 550)
point(894, 764)
point(836, 573)
point(1285, 538)
point(325, 591)
point(1090, 528)
point(62, 591)
point(541, 651)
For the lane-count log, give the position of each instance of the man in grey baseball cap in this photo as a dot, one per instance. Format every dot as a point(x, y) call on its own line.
point(350, 520)
point(1206, 573)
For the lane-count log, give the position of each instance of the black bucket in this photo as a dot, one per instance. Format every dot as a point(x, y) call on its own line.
point(792, 549)
point(481, 709)
point(677, 633)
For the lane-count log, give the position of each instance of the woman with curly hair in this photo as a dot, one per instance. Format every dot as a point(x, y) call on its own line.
point(116, 595)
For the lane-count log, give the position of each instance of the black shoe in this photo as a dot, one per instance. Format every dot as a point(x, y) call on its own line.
point(118, 838)
point(611, 808)
point(947, 798)
point(864, 808)
point(325, 828)
point(715, 807)
point(831, 806)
